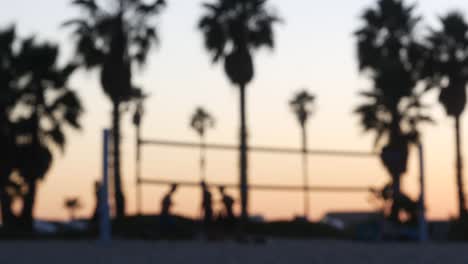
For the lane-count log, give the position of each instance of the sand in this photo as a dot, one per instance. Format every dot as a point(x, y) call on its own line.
point(279, 251)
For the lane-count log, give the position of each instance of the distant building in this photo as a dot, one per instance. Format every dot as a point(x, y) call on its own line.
point(257, 218)
point(438, 230)
point(343, 220)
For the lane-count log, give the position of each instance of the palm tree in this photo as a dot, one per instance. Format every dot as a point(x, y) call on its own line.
point(45, 107)
point(72, 205)
point(200, 121)
point(232, 30)
point(390, 55)
point(302, 105)
point(112, 38)
point(449, 73)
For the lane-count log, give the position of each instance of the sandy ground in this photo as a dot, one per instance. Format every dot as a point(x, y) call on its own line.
point(326, 252)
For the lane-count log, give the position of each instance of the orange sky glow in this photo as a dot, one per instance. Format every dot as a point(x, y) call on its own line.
point(314, 50)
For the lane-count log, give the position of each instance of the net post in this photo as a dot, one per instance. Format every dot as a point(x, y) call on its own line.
point(138, 189)
point(104, 215)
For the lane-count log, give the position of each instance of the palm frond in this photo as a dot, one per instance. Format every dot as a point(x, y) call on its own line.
point(237, 24)
point(89, 5)
point(57, 137)
point(154, 8)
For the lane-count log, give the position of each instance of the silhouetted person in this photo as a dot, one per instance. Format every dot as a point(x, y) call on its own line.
point(227, 218)
point(166, 202)
point(228, 203)
point(207, 205)
point(98, 199)
point(166, 219)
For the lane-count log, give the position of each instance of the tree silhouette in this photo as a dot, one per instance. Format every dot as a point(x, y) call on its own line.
point(111, 38)
point(8, 95)
point(303, 106)
point(390, 55)
point(36, 104)
point(45, 106)
point(232, 30)
point(200, 121)
point(449, 72)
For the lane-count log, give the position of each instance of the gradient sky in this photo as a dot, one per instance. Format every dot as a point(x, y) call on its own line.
point(315, 49)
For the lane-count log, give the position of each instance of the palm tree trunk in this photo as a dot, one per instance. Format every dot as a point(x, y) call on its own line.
point(119, 196)
point(28, 206)
point(202, 159)
point(8, 218)
point(138, 169)
point(396, 189)
point(243, 156)
point(305, 176)
point(7, 159)
point(397, 162)
point(30, 197)
point(459, 170)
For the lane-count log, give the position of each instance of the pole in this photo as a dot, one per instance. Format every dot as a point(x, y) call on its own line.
point(305, 172)
point(202, 171)
point(139, 198)
point(423, 235)
point(202, 158)
point(243, 159)
point(104, 216)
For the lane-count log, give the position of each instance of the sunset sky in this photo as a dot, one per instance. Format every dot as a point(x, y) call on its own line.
point(315, 50)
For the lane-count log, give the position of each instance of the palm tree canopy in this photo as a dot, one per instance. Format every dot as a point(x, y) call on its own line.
point(201, 120)
point(232, 28)
point(113, 37)
point(394, 59)
point(303, 105)
point(7, 92)
point(46, 88)
point(449, 62)
point(44, 105)
point(387, 48)
point(375, 116)
point(390, 54)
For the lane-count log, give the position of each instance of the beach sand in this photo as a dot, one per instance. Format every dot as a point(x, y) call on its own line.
point(277, 251)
